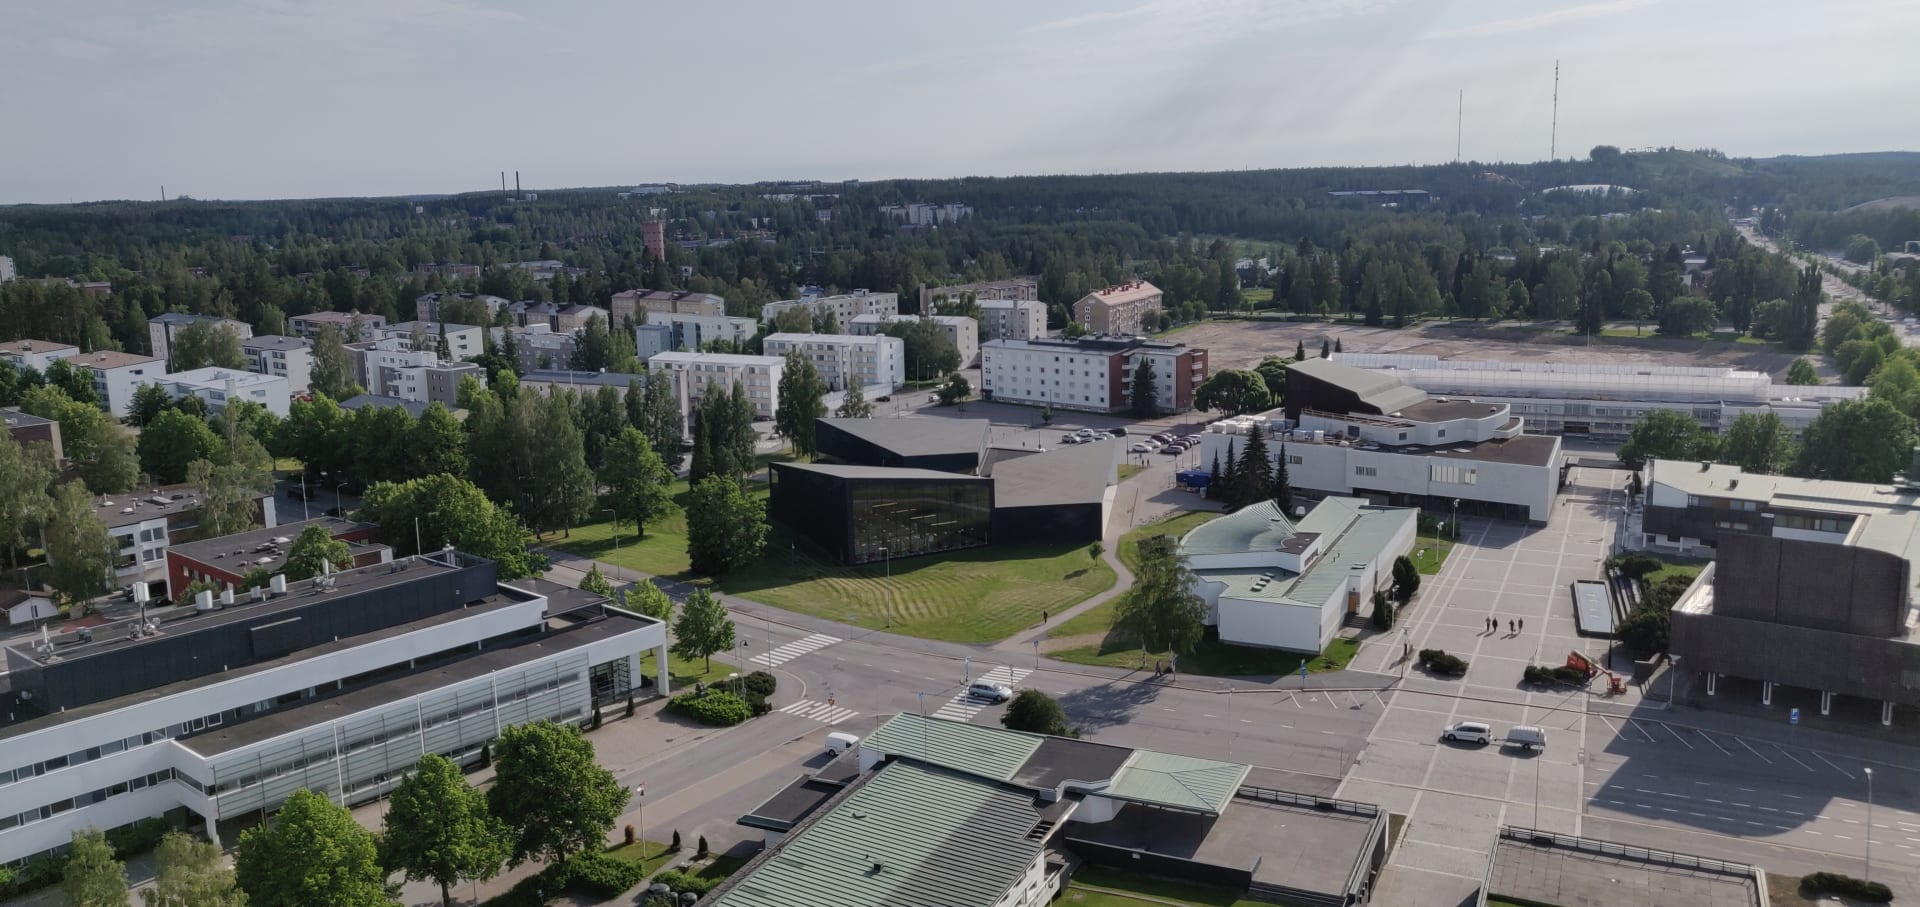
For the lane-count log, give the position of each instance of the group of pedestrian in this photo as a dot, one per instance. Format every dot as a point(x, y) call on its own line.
point(1513, 626)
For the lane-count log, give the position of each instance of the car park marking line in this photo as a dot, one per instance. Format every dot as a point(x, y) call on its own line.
point(1643, 731)
point(1676, 735)
point(1716, 744)
point(1830, 765)
point(1790, 756)
point(1756, 752)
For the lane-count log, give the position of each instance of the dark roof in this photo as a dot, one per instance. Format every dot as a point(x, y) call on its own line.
point(875, 472)
point(118, 510)
point(793, 803)
point(263, 548)
point(1062, 759)
point(1076, 474)
point(918, 437)
point(1439, 411)
point(1381, 390)
point(17, 419)
point(1524, 450)
point(362, 401)
point(587, 379)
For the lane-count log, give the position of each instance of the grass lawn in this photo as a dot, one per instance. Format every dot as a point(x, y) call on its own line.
point(1435, 554)
point(686, 673)
point(1179, 327)
point(649, 854)
point(1257, 296)
point(1177, 525)
point(1213, 658)
point(1129, 470)
point(1713, 336)
point(1113, 888)
point(1688, 569)
point(1784, 891)
point(976, 595)
point(662, 552)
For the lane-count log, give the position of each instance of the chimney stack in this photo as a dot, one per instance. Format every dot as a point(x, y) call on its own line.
point(516, 182)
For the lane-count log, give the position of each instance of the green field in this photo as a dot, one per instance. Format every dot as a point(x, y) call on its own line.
point(687, 672)
point(651, 855)
point(663, 552)
point(1129, 470)
point(1435, 554)
point(1097, 886)
point(1687, 569)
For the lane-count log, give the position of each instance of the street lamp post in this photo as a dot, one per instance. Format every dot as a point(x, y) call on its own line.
point(1673, 672)
point(966, 676)
point(640, 797)
point(615, 525)
point(1869, 824)
point(1536, 790)
point(1456, 522)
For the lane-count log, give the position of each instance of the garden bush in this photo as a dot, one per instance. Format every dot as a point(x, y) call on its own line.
point(1439, 662)
point(715, 707)
point(759, 683)
point(1846, 886)
point(1635, 566)
point(137, 838)
point(683, 882)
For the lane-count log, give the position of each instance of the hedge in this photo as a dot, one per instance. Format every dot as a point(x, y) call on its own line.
point(1846, 886)
point(596, 874)
point(682, 882)
point(715, 707)
point(127, 841)
point(1438, 661)
point(1543, 675)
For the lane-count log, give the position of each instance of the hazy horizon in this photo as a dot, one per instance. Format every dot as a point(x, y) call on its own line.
point(269, 99)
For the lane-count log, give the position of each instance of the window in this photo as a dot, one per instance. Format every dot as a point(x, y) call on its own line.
point(1295, 459)
point(1365, 471)
point(1443, 433)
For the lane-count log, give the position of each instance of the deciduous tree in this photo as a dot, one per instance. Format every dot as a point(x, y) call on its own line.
point(332, 373)
point(192, 873)
point(636, 479)
point(93, 877)
point(1162, 612)
point(1234, 392)
point(801, 391)
point(703, 628)
point(437, 828)
point(315, 551)
point(452, 511)
point(1758, 443)
point(205, 343)
point(313, 854)
point(172, 442)
point(78, 546)
point(1864, 440)
point(1035, 712)
point(726, 528)
point(555, 799)
point(853, 403)
point(1666, 434)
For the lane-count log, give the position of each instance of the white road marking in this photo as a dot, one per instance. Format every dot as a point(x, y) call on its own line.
point(963, 707)
point(819, 711)
point(1830, 765)
point(1676, 734)
point(1790, 756)
point(783, 654)
point(1756, 752)
point(1716, 744)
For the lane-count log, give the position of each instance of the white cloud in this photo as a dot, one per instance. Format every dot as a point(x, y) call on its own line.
point(1542, 20)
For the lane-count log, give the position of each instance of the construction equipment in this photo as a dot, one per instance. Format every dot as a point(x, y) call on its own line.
point(1585, 665)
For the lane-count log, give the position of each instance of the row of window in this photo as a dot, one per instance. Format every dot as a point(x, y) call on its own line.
point(89, 798)
point(1456, 475)
point(25, 772)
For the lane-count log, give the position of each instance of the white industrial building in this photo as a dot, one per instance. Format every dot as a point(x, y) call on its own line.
point(843, 359)
point(694, 373)
point(844, 306)
point(961, 331)
point(1603, 400)
point(288, 357)
point(1346, 431)
point(1275, 580)
point(337, 684)
point(218, 386)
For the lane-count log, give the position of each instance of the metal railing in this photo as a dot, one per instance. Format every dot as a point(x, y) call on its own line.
point(1324, 804)
point(1625, 852)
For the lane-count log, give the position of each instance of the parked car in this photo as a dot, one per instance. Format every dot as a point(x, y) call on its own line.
point(1119, 431)
point(1163, 437)
point(991, 692)
point(1070, 439)
point(883, 398)
point(839, 742)
point(1468, 732)
point(1527, 737)
point(1141, 447)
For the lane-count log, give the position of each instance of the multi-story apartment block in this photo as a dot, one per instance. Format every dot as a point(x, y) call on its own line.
point(629, 305)
point(352, 327)
point(562, 317)
point(653, 235)
point(393, 368)
point(844, 307)
point(7, 271)
point(463, 341)
point(428, 307)
point(144, 524)
point(117, 375)
point(847, 359)
point(694, 373)
point(691, 332)
point(1090, 373)
point(538, 346)
point(1013, 319)
point(1118, 309)
point(288, 357)
point(652, 339)
point(161, 328)
point(27, 428)
point(961, 331)
point(36, 354)
point(1023, 289)
point(218, 386)
point(333, 684)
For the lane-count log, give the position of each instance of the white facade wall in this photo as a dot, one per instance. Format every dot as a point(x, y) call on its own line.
point(693, 373)
point(464, 341)
point(1328, 467)
point(7, 271)
point(1068, 380)
point(1165, 365)
point(1013, 319)
point(845, 307)
point(651, 339)
point(690, 331)
point(843, 359)
point(293, 364)
point(961, 331)
point(1033, 888)
point(114, 387)
point(1295, 628)
point(145, 543)
point(219, 386)
point(45, 353)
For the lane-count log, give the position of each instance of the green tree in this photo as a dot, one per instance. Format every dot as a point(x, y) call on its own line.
point(1144, 399)
point(436, 444)
point(925, 349)
point(702, 628)
point(595, 581)
point(449, 510)
point(1666, 434)
point(83, 426)
point(1252, 482)
point(77, 545)
point(231, 486)
point(93, 877)
point(726, 528)
point(1637, 304)
point(1162, 612)
point(1758, 443)
point(1035, 712)
point(205, 343)
point(172, 442)
point(75, 382)
point(26, 474)
point(1801, 372)
point(1688, 315)
point(1864, 440)
point(1273, 371)
point(314, 551)
point(313, 854)
point(657, 415)
point(1233, 392)
point(149, 401)
point(332, 373)
point(801, 392)
point(437, 828)
point(956, 390)
point(1406, 578)
point(192, 873)
point(1383, 611)
point(115, 467)
point(853, 403)
point(1282, 484)
point(319, 434)
point(555, 800)
point(1897, 382)
point(646, 598)
point(636, 479)
point(1862, 249)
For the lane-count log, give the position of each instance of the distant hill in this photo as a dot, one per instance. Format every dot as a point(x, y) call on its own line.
point(1673, 162)
point(1887, 204)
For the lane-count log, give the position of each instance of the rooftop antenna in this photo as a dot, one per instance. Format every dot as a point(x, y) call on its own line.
point(1553, 140)
point(1459, 122)
point(503, 182)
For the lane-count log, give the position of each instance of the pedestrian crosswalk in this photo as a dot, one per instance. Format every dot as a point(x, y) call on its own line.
point(825, 713)
point(783, 654)
point(963, 707)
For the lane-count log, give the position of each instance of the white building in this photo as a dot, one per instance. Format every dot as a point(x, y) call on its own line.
point(1013, 319)
point(351, 326)
point(161, 328)
point(846, 358)
point(288, 357)
point(36, 354)
point(1391, 444)
point(1602, 400)
point(690, 331)
point(464, 341)
point(650, 340)
point(844, 307)
point(538, 346)
point(117, 375)
point(394, 368)
point(1274, 580)
point(961, 331)
point(143, 524)
point(694, 373)
point(337, 685)
point(7, 271)
point(218, 386)
point(924, 214)
point(1090, 374)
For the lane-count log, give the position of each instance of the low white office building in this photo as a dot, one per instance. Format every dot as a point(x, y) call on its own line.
point(117, 375)
point(219, 386)
point(287, 357)
point(844, 359)
point(1289, 582)
point(694, 373)
point(1605, 400)
point(337, 684)
point(1346, 431)
point(36, 354)
point(961, 331)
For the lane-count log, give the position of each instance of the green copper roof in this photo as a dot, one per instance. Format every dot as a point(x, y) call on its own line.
point(910, 836)
point(1255, 527)
point(988, 752)
point(1180, 782)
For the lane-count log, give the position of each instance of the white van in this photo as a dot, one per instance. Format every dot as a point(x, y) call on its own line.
point(1467, 732)
point(839, 742)
point(1527, 737)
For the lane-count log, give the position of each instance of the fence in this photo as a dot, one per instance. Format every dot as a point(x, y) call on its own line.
point(1626, 852)
point(1323, 804)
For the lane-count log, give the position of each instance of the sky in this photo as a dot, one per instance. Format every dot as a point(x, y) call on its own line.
point(305, 98)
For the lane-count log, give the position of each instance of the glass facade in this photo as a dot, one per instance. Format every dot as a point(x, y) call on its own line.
point(903, 518)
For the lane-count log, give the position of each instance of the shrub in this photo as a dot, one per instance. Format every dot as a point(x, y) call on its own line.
point(1382, 612)
point(1537, 675)
point(682, 882)
point(1634, 566)
point(1846, 886)
point(715, 707)
point(137, 838)
point(1570, 674)
point(759, 683)
point(36, 874)
point(1545, 675)
point(598, 874)
point(630, 836)
point(675, 846)
point(701, 852)
point(1437, 661)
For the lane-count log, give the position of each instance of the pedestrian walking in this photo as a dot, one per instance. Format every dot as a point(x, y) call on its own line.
point(1523, 623)
point(1510, 628)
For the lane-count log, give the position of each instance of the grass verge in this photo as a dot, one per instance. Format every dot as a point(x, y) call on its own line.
point(1129, 470)
point(662, 551)
point(1429, 555)
point(1097, 886)
point(1784, 891)
point(684, 672)
point(1213, 658)
point(651, 855)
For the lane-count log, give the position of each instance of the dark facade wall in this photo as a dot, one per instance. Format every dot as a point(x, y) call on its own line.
point(1057, 523)
point(814, 506)
point(1307, 392)
point(1864, 666)
point(48, 433)
point(1837, 588)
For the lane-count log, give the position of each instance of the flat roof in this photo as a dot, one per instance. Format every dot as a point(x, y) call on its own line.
point(846, 471)
point(1381, 391)
point(917, 437)
point(1547, 873)
point(1431, 410)
point(30, 345)
point(674, 357)
point(244, 551)
point(274, 724)
point(18, 419)
point(361, 401)
point(276, 342)
point(430, 327)
point(1887, 517)
point(111, 359)
point(1520, 450)
point(586, 379)
point(215, 376)
point(1072, 474)
point(1063, 759)
point(118, 510)
point(187, 318)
